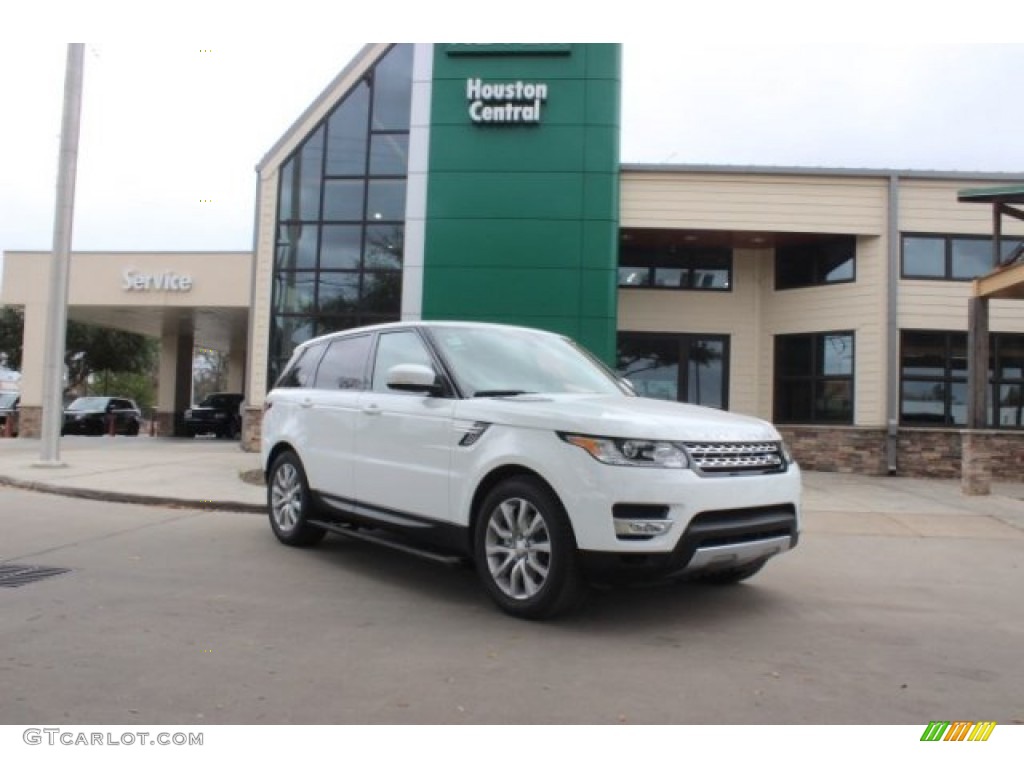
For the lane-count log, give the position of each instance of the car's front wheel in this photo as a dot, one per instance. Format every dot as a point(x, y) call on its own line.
point(525, 551)
point(289, 503)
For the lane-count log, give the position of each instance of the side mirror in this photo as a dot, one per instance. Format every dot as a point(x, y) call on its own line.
point(410, 377)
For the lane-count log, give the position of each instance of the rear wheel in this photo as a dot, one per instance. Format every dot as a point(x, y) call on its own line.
point(289, 501)
point(525, 550)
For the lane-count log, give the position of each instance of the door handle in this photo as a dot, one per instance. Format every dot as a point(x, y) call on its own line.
point(372, 409)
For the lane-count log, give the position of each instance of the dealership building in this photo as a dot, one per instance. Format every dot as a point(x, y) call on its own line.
point(483, 182)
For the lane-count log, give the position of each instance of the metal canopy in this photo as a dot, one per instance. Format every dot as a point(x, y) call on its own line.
point(1007, 280)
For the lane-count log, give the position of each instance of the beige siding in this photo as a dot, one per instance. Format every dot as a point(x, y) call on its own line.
point(931, 206)
point(859, 307)
point(843, 205)
point(259, 323)
point(942, 305)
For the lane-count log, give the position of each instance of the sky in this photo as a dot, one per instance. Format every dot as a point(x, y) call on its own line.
point(172, 129)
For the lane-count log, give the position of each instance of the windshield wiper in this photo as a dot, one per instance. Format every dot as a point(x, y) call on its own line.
point(501, 392)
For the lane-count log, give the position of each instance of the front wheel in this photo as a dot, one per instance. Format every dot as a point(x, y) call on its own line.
point(525, 550)
point(289, 502)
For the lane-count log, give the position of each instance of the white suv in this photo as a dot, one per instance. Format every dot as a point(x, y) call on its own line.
point(517, 449)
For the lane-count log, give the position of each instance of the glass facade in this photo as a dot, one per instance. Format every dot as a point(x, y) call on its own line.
point(818, 261)
point(684, 367)
point(341, 214)
point(933, 379)
point(666, 259)
point(951, 257)
point(814, 378)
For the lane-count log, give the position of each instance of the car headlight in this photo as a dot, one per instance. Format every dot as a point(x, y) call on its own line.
point(631, 452)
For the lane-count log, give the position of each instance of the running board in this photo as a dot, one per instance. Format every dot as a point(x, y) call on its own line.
point(361, 535)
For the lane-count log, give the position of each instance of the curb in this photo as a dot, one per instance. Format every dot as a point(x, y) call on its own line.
point(133, 498)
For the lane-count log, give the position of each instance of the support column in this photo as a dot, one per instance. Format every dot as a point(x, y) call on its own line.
point(975, 473)
point(236, 366)
point(174, 388)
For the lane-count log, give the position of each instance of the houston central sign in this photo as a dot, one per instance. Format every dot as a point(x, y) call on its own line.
point(515, 102)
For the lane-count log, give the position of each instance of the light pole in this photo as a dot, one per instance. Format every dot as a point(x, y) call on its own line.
point(57, 309)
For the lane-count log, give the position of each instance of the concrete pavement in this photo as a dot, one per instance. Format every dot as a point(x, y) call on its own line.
point(208, 473)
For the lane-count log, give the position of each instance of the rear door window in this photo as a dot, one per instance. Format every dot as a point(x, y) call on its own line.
point(344, 364)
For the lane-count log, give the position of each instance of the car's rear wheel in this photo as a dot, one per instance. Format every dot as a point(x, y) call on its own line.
point(289, 502)
point(525, 550)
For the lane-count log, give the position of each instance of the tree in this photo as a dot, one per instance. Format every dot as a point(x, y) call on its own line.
point(88, 349)
point(209, 373)
point(12, 322)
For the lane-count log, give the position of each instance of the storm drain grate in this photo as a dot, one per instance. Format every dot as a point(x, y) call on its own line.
point(18, 575)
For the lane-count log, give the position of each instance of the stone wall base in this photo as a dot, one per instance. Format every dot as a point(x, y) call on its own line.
point(252, 428)
point(30, 421)
point(937, 453)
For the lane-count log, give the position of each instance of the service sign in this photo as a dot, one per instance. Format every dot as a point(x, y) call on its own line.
point(163, 282)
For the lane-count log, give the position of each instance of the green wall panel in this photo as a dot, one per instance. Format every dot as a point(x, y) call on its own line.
point(522, 219)
point(506, 243)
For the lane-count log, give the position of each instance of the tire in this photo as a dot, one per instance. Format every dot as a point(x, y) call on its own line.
point(525, 551)
point(289, 503)
point(133, 430)
point(732, 575)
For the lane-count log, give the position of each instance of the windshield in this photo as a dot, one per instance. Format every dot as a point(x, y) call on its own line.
point(88, 404)
point(218, 401)
point(510, 361)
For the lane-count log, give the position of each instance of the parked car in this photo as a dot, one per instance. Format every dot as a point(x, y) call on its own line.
point(219, 414)
point(9, 402)
point(95, 416)
point(518, 450)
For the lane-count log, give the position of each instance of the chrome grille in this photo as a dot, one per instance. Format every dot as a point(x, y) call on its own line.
point(735, 458)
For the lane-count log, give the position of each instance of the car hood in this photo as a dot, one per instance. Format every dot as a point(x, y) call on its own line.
point(617, 416)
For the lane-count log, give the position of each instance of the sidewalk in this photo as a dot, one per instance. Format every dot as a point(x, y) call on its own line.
point(207, 473)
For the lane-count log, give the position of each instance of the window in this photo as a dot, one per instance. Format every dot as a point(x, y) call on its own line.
point(398, 349)
point(661, 262)
point(949, 257)
point(814, 378)
point(300, 373)
point(682, 367)
point(344, 364)
point(933, 379)
point(341, 213)
point(816, 261)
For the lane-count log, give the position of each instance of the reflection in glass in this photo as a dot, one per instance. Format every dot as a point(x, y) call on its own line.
point(346, 134)
point(392, 90)
point(339, 292)
point(339, 247)
point(971, 258)
point(385, 200)
point(309, 172)
point(651, 364)
point(924, 256)
point(382, 292)
point(838, 354)
point(670, 277)
point(343, 199)
point(296, 246)
point(389, 154)
point(706, 373)
point(923, 402)
point(632, 277)
point(1011, 405)
point(384, 246)
point(293, 292)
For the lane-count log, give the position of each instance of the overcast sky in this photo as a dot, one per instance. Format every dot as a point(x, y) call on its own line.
point(166, 125)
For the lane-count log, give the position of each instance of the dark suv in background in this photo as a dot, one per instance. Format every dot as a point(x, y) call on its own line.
point(219, 414)
point(9, 412)
point(101, 416)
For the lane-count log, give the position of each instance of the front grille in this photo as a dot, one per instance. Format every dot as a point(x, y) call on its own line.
point(736, 458)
